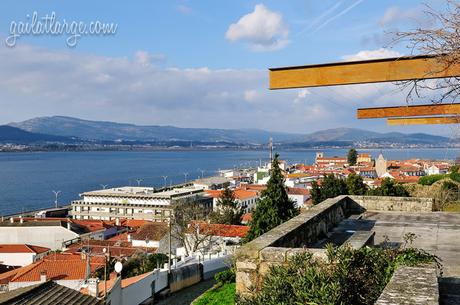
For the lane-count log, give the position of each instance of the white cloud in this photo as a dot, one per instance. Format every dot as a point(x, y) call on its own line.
point(301, 95)
point(250, 95)
point(395, 16)
point(263, 29)
point(145, 58)
point(42, 82)
point(372, 54)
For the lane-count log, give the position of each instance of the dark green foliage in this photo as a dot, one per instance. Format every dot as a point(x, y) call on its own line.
point(355, 185)
point(352, 157)
point(226, 276)
point(229, 211)
point(274, 206)
point(429, 180)
point(389, 188)
point(455, 176)
point(331, 186)
point(142, 263)
point(449, 186)
point(348, 276)
point(454, 169)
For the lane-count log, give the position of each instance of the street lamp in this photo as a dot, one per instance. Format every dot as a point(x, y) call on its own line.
point(104, 186)
point(56, 194)
point(139, 181)
point(165, 177)
point(185, 175)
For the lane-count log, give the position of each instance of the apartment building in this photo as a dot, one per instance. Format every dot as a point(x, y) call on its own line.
point(134, 203)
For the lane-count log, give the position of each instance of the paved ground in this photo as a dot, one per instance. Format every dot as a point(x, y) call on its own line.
point(187, 295)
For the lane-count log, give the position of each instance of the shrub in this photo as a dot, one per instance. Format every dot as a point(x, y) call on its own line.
point(429, 180)
point(226, 276)
point(348, 276)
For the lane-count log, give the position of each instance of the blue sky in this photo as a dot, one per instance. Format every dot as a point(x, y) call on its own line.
point(202, 63)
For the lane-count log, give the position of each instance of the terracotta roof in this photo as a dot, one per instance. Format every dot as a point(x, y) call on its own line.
point(240, 194)
point(246, 218)
point(123, 236)
point(151, 231)
point(56, 267)
point(220, 229)
point(134, 223)
point(22, 248)
point(131, 280)
point(297, 191)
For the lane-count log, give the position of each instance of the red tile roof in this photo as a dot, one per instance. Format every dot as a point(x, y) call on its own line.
point(56, 267)
point(221, 229)
point(22, 248)
point(246, 218)
point(298, 191)
point(131, 280)
point(240, 194)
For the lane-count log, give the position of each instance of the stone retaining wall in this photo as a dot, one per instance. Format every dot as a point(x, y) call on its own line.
point(401, 204)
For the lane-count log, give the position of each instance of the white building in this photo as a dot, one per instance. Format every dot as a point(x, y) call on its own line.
point(47, 233)
point(21, 254)
point(133, 203)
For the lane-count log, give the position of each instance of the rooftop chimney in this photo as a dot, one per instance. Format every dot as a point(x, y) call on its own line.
point(68, 225)
point(117, 221)
point(12, 219)
point(20, 219)
point(93, 287)
point(129, 237)
point(43, 276)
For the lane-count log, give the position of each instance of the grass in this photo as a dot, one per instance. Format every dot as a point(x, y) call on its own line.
point(218, 295)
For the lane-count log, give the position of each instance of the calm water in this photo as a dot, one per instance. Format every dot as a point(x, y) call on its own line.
point(27, 179)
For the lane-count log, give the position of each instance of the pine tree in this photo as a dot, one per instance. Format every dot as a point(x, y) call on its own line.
point(229, 212)
point(355, 185)
point(331, 186)
point(274, 206)
point(352, 157)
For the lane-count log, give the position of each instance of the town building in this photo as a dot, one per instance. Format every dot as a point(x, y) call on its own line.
point(21, 254)
point(134, 203)
point(45, 232)
point(364, 158)
point(246, 199)
point(66, 269)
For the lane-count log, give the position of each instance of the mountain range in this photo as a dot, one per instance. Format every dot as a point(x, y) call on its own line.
point(68, 129)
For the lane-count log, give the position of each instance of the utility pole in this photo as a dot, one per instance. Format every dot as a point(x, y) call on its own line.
point(56, 194)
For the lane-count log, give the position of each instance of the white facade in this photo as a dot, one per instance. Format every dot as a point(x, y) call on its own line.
point(44, 236)
point(432, 170)
point(20, 259)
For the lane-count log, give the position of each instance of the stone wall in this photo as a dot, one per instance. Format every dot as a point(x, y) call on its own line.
point(400, 204)
point(276, 246)
point(403, 289)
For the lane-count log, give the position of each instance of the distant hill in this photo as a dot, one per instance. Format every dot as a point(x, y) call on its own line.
point(9, 134)
point(360, 135)
point(110, 131)
point(66, 127)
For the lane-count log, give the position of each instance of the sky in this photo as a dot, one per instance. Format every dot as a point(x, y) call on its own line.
point(201, 63)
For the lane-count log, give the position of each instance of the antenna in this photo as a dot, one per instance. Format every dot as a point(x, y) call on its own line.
point(56, 194)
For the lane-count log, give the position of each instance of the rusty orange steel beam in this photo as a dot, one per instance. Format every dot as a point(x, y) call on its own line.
point(408, 111)
point(361, 72)
point(424, 120)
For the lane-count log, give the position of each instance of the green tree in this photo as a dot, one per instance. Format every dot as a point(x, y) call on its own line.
point(331, 186)
point(274, 206)
point(389, 188)
point(352, 156)
point(229, 212)
point(355, 185)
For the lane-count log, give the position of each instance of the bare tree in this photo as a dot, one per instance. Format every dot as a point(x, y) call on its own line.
point(441, 40)
point(187, 215)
